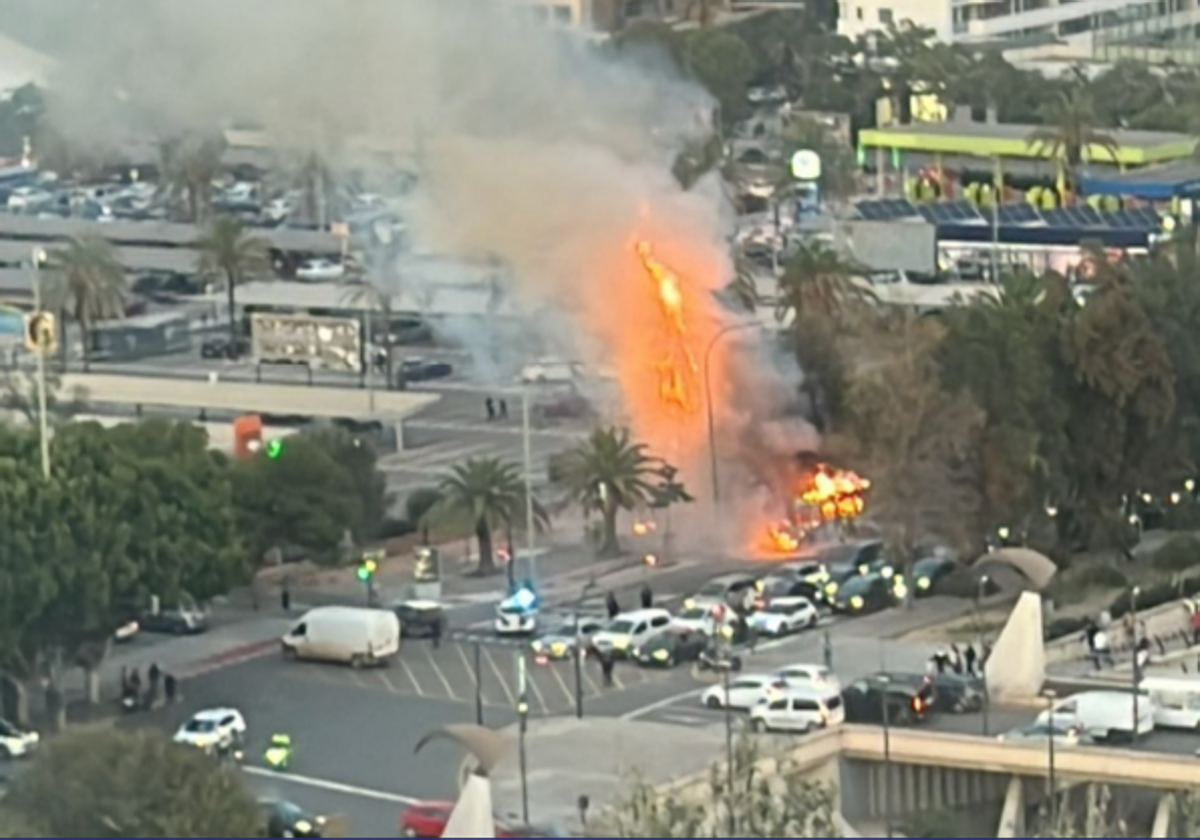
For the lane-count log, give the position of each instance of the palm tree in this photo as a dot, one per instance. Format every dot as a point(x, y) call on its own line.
point(609, 473)
point(228, 253)
point(1070, 134)
point(379, 301)
point(485, 492)
point(189, 165)
point(817, 280)
point(88, 280)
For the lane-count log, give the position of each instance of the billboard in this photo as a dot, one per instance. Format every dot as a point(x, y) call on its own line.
point(322, 343)
point(890, 246)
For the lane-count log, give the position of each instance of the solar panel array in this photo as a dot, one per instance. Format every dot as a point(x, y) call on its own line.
point(1016, 214)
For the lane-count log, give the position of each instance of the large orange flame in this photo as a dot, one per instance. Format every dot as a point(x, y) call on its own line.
point(678, 372)
point(825, 495)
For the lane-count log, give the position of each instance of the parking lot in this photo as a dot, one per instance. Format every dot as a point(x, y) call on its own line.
point(448, 673)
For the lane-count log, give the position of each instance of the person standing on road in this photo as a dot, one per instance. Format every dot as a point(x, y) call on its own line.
point(827, 651)
point(607, 662)
point(1101, 654)
point(610, 603)
point(435, 634)
point(503, 409)
point(490, 405)
point(169, 688)
point(647, 597)
point(969, 657)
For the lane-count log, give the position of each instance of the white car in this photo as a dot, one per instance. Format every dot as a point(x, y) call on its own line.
point(127, 631)
point(15, 743)
point(320, 269)
point(745, 692)
point(560, 643)
point(798, 710)
point(733, 590)
point(785, 615)
point(551, 370)
point(815, 675)
point(513, 619)
point(629, 630)
point(212, 729)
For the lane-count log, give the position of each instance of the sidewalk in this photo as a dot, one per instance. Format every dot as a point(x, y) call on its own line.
point(602, 758)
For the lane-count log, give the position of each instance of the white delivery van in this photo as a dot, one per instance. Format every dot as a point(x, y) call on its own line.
point(1103, 715)
point(1176, 701)
point(353, 635)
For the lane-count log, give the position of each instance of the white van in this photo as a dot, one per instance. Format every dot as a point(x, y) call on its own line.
point(798, 710)
point(353, 635)
point(1103, 715)
point(630, 630)
point(1176, 701)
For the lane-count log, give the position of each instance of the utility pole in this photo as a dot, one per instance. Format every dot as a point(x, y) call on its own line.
point(887, 757)
point(38, 257)
point(523, 714)
point(529, 520)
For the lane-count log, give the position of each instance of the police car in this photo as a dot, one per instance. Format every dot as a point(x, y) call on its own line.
point(517, 615)
point(14, 742)
point(213, 729)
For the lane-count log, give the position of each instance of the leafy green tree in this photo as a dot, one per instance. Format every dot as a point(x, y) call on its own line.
point(359, 458)
point(484, 493)
point(416, 507)
point(821, 349)
point(230, 254)
point(104, 783)
point(303, 498)
point(724, 65)
point(1070, 131)
point(816, 280)
point(608, 473)
point(88, 280)
point(769, 797)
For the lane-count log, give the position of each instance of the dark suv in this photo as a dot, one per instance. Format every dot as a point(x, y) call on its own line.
point(906, 704)
point(420, 619)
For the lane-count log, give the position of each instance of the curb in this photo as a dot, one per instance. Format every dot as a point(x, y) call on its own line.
point(234, 655)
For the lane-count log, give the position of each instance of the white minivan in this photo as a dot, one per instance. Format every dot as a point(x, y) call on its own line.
point(354, 635)
point(630, 630)
point(1176, 701)
point(798, 710)
point(1103, 715)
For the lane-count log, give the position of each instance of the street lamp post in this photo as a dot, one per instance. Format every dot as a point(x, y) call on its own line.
point(529, 535)
point(983, 581)
point(591, 584)
point(38, 256)
point(708, 401)
point(887, 756)
point(728, 750)
point(1053, 787)
point(1136, 675)
point(523, 715)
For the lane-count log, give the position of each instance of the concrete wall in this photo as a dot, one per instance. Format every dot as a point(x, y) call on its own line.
point(1162, 620)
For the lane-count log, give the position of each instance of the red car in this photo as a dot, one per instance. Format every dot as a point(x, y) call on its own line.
point(428, 819)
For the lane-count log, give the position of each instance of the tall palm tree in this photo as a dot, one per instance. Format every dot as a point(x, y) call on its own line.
point(485, 492)
point(609, 473)
point(817, 280)
point(229, 254)
point(379, 301)
point(87, 279)
point(189, 166)
point(1070, 133)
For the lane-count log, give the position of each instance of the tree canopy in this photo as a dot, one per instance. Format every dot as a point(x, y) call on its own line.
point(105, 783)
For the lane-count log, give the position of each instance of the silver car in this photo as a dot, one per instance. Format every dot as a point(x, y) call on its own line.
point(1064, 735)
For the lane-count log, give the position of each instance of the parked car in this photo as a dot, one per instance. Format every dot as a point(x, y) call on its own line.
point(320, 269)
point(420, 619)
point(287, 819)
point(777, 585)
point(838, 575)
point(798, 710)
point(422, 370)
point(785, 615)
point(1064, 734)
point(560, 642)
point(669, 647)
point(127, 631)
point(729, 590)
point(16, 743)
point(745, 692)
point(176, 622)
point(928, 571)
point(953, 693)
point(223, 348)
point(354, 635)
point(865, 701)
point(864, 594)
point(804, 674)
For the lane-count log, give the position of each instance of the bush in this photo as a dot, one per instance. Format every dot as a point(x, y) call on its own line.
point(961, 583)
point(395, 528)
point(1148, 598)
point(419, 502)
point(1179, 554)
point(1066, 626)
point(1101, 576)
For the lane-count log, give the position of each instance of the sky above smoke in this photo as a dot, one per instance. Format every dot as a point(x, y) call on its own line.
point(533, 147)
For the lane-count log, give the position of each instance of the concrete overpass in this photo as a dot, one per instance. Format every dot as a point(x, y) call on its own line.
point(215, 395)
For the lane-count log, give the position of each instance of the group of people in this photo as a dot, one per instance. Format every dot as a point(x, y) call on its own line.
point(1098, 636)
point(496, 410)
point(613, 607)
point(132, 694)
point(966, 661)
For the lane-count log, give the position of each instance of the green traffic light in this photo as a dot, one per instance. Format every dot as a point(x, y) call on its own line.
point(274, 449)
point(363, 574)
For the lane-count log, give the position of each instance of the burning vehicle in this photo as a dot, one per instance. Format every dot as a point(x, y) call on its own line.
point(822, 495)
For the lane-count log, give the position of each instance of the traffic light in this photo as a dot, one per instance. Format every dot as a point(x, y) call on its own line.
point(274, 449)
point(367, 569)
point(41, 333)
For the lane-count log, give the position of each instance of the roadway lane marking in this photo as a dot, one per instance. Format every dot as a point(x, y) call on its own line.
point(384, 679)
point(499, 677)
point(531, 681)
point(462, 651)
point(562, 683)
point(336, 787)
point(441, 676)
point(411, 676)
point(591, 684)
point(660, 704)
